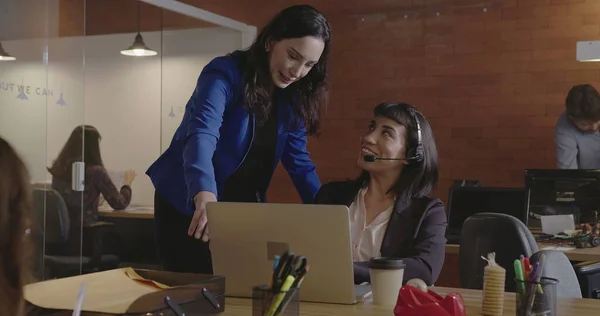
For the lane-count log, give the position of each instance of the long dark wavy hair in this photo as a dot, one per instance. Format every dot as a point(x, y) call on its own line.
point(306, 95)
point(82, 145)
point(16, 248)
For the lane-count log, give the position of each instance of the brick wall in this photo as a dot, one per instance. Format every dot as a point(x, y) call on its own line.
point(491, 83)
point(97, 17)
point(491, 76)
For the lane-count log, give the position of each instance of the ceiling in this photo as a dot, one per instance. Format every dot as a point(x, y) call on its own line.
point(26, 19)
point(21, 19)
point(247, 11)
point(119, 16)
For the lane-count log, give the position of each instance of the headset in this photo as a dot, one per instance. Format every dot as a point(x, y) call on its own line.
point(418, 153)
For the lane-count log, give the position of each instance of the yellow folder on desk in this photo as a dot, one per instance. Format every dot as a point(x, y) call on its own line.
point(107, 292)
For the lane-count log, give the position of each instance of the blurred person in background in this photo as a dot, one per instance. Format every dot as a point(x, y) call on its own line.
point(16, 248)
point(577, 134)
point(84, 145)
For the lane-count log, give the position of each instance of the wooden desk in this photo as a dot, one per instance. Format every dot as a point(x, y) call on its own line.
point(139, 212)
point(132, 238)
point(450, 275)
point(472, 298)
point(583, 254)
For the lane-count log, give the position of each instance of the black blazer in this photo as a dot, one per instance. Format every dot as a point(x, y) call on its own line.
point(415, 232)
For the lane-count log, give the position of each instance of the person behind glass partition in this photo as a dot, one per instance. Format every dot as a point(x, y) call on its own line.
point(84, 145)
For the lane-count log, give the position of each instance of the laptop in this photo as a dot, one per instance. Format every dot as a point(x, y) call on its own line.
point(464, 202)
point(245, 237)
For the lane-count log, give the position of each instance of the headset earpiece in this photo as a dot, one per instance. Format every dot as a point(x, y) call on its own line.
point(419, 152)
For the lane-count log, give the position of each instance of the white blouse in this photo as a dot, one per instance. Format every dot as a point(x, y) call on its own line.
point(366, 238)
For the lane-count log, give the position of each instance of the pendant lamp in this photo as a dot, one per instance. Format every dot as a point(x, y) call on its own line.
point(4, 56)
point(138, 48)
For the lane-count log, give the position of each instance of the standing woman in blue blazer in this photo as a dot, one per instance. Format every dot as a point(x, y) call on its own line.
point(249, 110)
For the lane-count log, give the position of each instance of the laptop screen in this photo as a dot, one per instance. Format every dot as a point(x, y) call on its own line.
point(466, 201)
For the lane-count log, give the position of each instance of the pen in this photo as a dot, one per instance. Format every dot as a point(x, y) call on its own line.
point(519, 275)
point(79, 302)
point(275, 271)
point(536, 285)
point(533, 272)
point(287, 298)
point(523, 267)
point(527, 267)
point(281, 270)
point(275, 262)
point(538, 276)
point(300, 277)
point(282, 291)
point(292, 291)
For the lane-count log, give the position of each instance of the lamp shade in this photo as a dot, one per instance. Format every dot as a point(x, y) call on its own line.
point(4, 56)
point(138, 48)
point(588, 51)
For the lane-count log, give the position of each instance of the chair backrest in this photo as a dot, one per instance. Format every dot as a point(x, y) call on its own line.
point(41, 185)
point(502, 234)
point(466, 183)
point(558, 266)
point(49, 207)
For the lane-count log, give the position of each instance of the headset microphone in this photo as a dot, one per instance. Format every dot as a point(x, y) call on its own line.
point(371, 158)
point(416, 154)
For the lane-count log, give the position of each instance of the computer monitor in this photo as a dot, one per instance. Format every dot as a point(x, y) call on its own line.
point(563, 191)
point(464, 202)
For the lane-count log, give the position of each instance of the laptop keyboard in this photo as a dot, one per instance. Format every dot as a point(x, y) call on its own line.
point(361, 291)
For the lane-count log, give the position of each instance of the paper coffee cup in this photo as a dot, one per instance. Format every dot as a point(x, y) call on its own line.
point(386, 279)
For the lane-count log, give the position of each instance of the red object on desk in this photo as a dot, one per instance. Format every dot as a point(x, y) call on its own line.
point(414, 302)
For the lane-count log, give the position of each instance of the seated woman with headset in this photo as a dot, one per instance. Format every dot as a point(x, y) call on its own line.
point(391, 213)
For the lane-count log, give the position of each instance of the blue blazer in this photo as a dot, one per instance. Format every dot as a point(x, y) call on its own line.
point(215, 135)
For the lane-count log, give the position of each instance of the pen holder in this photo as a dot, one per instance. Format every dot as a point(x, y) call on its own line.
point(536, 298)
point(266, 302)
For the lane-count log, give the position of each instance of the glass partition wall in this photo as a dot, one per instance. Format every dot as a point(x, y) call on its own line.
point(41, 100)
point(98, 83)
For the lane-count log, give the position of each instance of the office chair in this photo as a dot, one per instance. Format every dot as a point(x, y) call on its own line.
point(558, 266)
point(483, 233)
point(53, 226)
point(588, 275)
point(466, 183)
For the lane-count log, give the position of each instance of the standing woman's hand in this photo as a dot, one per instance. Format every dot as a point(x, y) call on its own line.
point(199, 220)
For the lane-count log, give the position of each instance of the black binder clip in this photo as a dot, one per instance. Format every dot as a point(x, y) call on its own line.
point(210, 298)
point(174, 306)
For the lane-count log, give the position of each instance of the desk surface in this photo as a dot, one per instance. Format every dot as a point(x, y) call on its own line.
point(140, 212)
point(583, 254)
point(147, 212)
point(472, 298)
